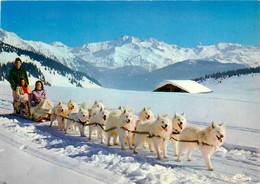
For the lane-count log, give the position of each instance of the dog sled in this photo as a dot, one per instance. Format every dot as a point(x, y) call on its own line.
point(25, 110)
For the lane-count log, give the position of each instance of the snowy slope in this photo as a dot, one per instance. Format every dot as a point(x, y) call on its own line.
point(235, 101)
point(56, 51)
point(40, 67)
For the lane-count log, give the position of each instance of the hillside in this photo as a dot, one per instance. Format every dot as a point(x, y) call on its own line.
point(42, 67)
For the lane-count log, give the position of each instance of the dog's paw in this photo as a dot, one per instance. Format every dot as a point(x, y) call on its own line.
point(89, 138)
point(165, 156)
point(135, 152)
point(178, 160)
point(189, 159)
point(211, 169)
point(175, 154)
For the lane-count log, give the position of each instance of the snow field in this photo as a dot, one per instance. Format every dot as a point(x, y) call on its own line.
point(237, 161)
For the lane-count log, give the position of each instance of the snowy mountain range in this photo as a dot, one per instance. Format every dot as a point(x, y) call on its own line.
point(116, 63)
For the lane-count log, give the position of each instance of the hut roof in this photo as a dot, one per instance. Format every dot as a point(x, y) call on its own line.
point(188, 86)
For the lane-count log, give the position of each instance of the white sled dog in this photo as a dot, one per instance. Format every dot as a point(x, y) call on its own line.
point(126, 124)
point(145, 115)
point(72, 107)
point(159, 132)
point(78, 119)
point(143, 137)
point(96, 107)
point(84, 106)
point(178, 124)
point(101, 119)
point(208, 140)
point(112, 124)
point(59, 112)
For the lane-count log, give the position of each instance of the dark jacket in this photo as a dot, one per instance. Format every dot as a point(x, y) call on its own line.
point(15, 75)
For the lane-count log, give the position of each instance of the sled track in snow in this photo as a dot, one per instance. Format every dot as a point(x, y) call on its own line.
point(45, 155)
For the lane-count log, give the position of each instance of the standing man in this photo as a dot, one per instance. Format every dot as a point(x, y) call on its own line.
point(16, 74)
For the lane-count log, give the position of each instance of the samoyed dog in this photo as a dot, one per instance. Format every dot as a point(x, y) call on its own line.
point(143, 136)
point(78, 119)
point(208, 140)
point(126, 124)
point(84, 106)
point(159, 132)
point(59, 112)
point(101, 119)
point(112, 124)
point(96, 107)
point(145, 115)
point(72, 107)
point(178, 124)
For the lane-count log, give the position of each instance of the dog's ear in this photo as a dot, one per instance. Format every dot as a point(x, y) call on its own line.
point(101, 109)
point(120, 107)
point(95, 102)
point(213, 124)
point(183, 114)
point(132, 110)
point(125, 110)
point(168, 116)
point(176, 114)
point(223, 125)
point(144, 109)
point(159, 116)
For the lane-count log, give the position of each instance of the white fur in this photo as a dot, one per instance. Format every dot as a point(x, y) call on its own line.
point(159, 132)
point(74, 118)
point(145, 115)
point(141, 138)
point(100, 118)
point(96, 107)
point(84, 106)
point(72, 107)
point(112, 123)
point(178, 124)
point(58, 112)
point(126, 120)
point(209, 139)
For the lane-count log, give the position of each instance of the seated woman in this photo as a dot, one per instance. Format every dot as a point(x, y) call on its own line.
point(21, 98)
point(40, 104)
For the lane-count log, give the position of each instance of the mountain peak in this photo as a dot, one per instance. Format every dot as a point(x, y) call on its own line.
point(127, 39)
point(58, 44)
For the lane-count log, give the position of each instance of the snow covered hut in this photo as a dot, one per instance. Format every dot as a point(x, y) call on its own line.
point(187, 86)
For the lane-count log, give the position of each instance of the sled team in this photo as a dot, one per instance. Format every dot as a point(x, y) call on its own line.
point(119, 126)
point(123, 127)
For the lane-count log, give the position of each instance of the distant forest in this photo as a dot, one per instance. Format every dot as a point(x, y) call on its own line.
point(227, 74)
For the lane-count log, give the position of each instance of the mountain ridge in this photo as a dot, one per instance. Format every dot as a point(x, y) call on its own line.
point(115, 63)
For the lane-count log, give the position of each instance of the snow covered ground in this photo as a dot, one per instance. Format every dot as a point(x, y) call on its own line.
point(32, 152)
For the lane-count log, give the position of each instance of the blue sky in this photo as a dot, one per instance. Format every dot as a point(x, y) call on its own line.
point(182, 23)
